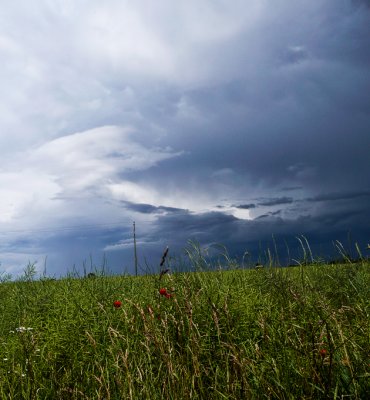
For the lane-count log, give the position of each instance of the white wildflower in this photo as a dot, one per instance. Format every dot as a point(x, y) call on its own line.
point(22, 329)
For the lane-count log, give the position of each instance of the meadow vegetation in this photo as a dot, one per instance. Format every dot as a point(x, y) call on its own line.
point(239, 333)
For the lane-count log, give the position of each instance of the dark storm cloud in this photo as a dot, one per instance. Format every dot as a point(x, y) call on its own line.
point(321, 228)
point(339, 196)
point(288, 189)
point(150, 209)
point(60, 251)
point(271, 213)
point(285, 108)
point(361, 3)
point(202, 226)
point(276, 201)
point(245, 206)
point(297, 123)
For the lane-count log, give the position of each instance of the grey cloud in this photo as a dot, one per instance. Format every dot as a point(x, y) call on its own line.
point(262, 216)
point(245, 206)
point(291, 188)
point(321, 226)
point(150, 209)
point(276, 201)
point(195, 224)
point(294, 54)
point(277, 212)
point(321, 229)
point(269, 214)
point(339, 196)
point(361, 2)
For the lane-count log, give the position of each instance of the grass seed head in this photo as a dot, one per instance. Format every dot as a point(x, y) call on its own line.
point(164, 256)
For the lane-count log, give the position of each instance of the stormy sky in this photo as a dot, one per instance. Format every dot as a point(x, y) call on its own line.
point(229, 122)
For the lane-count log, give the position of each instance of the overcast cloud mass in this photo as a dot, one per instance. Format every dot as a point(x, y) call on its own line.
point(222, 121)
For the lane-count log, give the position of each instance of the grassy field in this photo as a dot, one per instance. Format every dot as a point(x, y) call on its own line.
point(281, 333)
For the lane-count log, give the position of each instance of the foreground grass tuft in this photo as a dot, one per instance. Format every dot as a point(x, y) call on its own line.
point(269, 333)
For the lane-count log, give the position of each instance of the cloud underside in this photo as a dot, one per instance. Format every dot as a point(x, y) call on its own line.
point(332, 220)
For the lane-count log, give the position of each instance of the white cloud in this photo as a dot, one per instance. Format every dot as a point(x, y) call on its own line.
point(23, 191)
point(82, 166)
point(91, 157)
point(241, 214)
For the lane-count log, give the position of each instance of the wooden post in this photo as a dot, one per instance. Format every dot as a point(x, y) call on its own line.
point(135, 253)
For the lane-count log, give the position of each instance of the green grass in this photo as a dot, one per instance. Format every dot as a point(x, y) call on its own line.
point(279, 333)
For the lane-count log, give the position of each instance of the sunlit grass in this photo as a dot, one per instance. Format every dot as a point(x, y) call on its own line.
point(259, 333)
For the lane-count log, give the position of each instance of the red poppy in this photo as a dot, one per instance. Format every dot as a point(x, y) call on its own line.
point(323, 352)
point(117, 304)
point(163, 291)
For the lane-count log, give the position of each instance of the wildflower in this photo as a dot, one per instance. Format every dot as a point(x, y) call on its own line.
point(323, 352)
point(22, 329)
point(117, 304)
point(164, 292)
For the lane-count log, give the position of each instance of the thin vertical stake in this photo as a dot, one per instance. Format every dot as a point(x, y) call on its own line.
point(135, 253)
